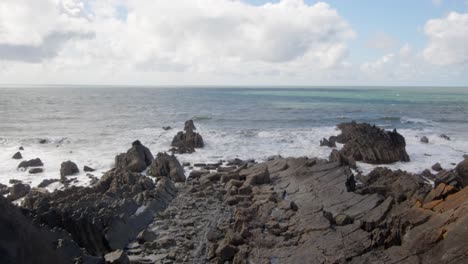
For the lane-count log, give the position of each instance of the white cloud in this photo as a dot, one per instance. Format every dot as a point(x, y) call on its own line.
point(382, 41)
point(448, 38)
point(205, 36)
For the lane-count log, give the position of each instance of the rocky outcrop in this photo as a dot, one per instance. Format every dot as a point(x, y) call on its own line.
point(47, 182)
point(188, 141)
point(166, 165)
point(17, 155)
point(18, 190)
point(136, 159)
point(36, 170)
point(330, 142)
point(370, 144)
point(31, 163)
point(462, 170)
point(105, 217)
point(68, 168)
point(21, 242)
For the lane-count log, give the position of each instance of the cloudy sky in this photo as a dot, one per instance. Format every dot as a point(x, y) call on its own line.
point(234, 42)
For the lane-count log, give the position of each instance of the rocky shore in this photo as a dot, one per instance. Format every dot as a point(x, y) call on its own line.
point(282, 210)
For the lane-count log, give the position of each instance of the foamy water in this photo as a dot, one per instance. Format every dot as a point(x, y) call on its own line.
point(91, 126)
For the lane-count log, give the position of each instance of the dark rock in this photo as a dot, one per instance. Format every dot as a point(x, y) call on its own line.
point(189, 125)
point(21, 242)
point(462, 170)
point(256, 175)
point(450, 178)
point(198, 173)
point(137, 158)
point(166, 165)
point(107, 216)
point(424, 139)
point(343, 219)
point(444, 136)
point(117, 257)
point(371, 144)
point(146, 236)
point(17, 155)
point(226, 251)
point(31, 163)
point(188, 141)
point(235, 162)
point(36, 170)
point(21, 148)
point(186, 164)
point(42, 141)
point(3, 189)
point(14, 181)
point(88, 169)
point(331, 142)
point(167, 128)
point(437, 167)
point(18, 190)
point(427, 173)
point(68, 168)
point(47, 182)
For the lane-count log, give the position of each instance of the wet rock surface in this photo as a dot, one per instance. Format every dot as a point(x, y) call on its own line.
point(370, 144)
point(106, 216)
point(31, 163)
point(17, 155)
point(187, 141)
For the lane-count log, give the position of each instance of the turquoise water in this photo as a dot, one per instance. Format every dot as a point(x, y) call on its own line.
point(92, 124)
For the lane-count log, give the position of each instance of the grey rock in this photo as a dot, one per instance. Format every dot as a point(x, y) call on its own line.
point(117, 257)
point(424, 139)
point(68, 168)
point(36, 170)
point(18, 190)
point(31, 163)
point(166, 165)
point(17, 155)
point(47, 182)
point(88, 169)
point(136, 159)
point(437, 167)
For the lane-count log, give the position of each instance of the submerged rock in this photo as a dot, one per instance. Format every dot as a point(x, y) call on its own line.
point(437, 167)
point(444, 136)
point(331, 142)
point(166, 165)
point(371, 144)
point(36, 170)
point(188, 141)
point(47, 182)
point(88, 169)
point(136, 159)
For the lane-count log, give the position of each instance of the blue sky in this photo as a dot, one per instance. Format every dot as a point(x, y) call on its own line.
point(235, 42)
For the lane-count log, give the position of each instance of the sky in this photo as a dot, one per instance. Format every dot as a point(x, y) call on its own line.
point(234, 42)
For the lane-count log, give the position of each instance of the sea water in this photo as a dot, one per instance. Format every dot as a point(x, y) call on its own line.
point(90, 125)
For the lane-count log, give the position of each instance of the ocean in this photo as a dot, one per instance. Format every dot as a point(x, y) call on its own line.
point(90, 125)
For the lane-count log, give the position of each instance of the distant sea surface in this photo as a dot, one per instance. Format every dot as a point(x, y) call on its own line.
point(90, 125)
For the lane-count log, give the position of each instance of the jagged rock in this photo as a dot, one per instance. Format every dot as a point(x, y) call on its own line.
point(17, 155)
point(21, 242)
point(47, 182)
point(235, 162)
point(377, 215)
point(166, 128)
point(67, 168)
point(88, 169)
point(256, 175)
point(462, 170)
point(331, 142)
point(371, 144)
point(106, 216)
point(117, 257)
point(450, 178)
point(444, 136)
point(36, 170)
point(424, 139)
point(440, 192)
point(31, 163)
point(437, 167)
point(166, 165)
point(18, 190)
point(3, 189)
point(188, 141)
point(136, 159)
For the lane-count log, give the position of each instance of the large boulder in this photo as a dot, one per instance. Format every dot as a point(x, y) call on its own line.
point(136, 159)
point(31, 163)
point(188, 141)
point(166, 165)
point(370, 144)
point(107, 216)
point(68, 168)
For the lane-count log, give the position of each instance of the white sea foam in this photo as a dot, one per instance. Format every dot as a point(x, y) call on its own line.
point(99, 152)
